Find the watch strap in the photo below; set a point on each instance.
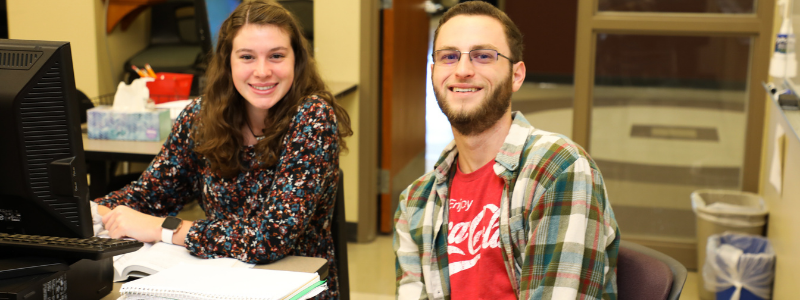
(166, 235)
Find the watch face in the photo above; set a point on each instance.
(171, 223)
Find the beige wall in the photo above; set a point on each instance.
(58, 20)
(81, 23)
(783, 202)
(336, 49)
(122, 45)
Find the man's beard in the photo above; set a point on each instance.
(481, 118)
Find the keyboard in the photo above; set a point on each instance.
(93, 248)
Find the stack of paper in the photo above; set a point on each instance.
(198, 282)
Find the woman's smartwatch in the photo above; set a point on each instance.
(169, 227)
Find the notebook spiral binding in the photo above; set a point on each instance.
(182, 295)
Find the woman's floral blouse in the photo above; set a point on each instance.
(263, 213)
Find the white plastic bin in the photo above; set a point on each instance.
(719, 211)
(739, 266)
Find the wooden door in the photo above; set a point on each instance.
(402, 142)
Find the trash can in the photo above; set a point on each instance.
(739, 266)
(719, 211)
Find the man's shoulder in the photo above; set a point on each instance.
(548, 148)
(526, 141)
(420, 189)
(553, 143)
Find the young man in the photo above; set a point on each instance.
(509, 211)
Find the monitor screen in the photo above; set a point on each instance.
(210, 14)
(43, 184)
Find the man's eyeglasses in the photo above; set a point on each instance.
(480, 56)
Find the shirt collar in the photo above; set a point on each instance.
(507, 158)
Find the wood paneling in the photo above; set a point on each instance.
(405, 43)
(549, 31)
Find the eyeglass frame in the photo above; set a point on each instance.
(461, 53)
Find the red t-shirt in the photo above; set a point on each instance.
(476, 264)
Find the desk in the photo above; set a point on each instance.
(100, 153)
(289, 263)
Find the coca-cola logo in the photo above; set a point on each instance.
(481, 232)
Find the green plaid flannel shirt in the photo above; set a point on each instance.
(557, 230)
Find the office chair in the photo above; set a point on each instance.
(339, 231)
(644, 273)
(174, 43)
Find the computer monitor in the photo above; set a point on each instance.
(3, 20)
(43, 184)
(211, 13)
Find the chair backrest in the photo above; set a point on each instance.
(644, 273)
(338, 230)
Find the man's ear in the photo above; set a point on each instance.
(519, 75)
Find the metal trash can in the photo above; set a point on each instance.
(719, 211)
(739, 266)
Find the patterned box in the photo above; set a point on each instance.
(107, 124)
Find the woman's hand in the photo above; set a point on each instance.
(103, 210)
(123, 221)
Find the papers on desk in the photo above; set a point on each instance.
(175, 107)
(197, 282)
(153, 258)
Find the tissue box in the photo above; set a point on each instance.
(105, 123)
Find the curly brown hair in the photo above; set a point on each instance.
(218, 136)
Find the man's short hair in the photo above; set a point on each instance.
(480, 8)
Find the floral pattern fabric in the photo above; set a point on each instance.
(260, 215)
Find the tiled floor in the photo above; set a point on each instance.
(372, 269)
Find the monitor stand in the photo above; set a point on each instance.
(33, 278)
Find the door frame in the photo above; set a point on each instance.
(757, 25)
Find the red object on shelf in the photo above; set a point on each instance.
(170, 87)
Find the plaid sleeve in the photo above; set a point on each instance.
(408, 267)
(571, 228)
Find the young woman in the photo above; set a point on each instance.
(259, 152)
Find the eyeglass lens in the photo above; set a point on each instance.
(481, 56)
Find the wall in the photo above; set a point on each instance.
(336, 43)
(342, 55)
(81, 23)
(782, 156)
(57, 20)
(122, 45)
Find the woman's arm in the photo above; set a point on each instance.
(164, 187)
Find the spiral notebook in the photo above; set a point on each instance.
(199, 282)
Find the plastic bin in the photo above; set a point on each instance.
(719, 211)
(170, 87)
(739, 266)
